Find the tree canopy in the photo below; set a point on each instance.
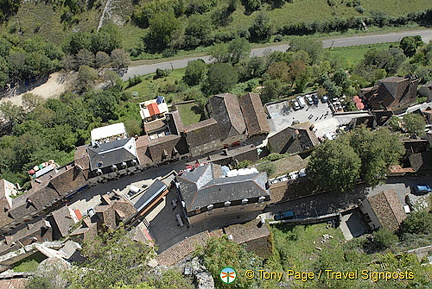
(360, 153)
(112, 259)
(221, 78)
(334, 166)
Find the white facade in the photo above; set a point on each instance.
(109, 131)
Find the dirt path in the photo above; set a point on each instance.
(56, 84)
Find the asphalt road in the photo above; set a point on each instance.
(426, 34)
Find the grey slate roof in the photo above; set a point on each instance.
(204, 186)
(150, 194)
(108, 154)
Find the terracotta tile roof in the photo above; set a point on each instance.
(143, 154)
(225, 108)
(393, 93)
(175, 122)
(254, 114)
(14, 283)
(243, 233)
(40, 230)
(153, 109)
(63, 220)
(202, 132)
(81, 157)
(154, 125)
(185, 247)
(33, 201)
(388, 209)
(166, 147)
(69, 181)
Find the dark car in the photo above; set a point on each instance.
(315, 98)
(284, 215)
(421, 189)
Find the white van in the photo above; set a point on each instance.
(301, 101)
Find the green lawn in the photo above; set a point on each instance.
(29, 264)
(150, 88)
(352, 55)
(189, 113)
(296, 247)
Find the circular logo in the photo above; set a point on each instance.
(228, 275)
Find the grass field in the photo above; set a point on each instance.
(150, 87)
(354, 54)
(296, 247)
(189, 113)
(29, 264)
(33, 14)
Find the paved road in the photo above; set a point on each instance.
(334, 42)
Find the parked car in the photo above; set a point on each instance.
(295, 104)
(324, 99)
(301, 101)
(309, 99)
(421, 189)
(315, 98)
(284, 215)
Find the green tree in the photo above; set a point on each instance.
(11, 113)
(104, 104)
(163, 31)
(279, 71)
(86, 77)
(409, 44)
(418, 223)
(112, 259)
(221, 78)
(313, 48)
(267, 167)
(113, 79)
(198, 30)
(195, 73)
(7, 8)
(334, 166)
(85, 57)
(341, 78)
(272, 89)
(261, 29)
(76, 42)
(221, 252)
(101, 59)
(414, 124)
(119, 59)
(253, 5)
(219, 52)
(383, 239)
(31, 101)
(106, 40)
(378, 149)
(238, 49)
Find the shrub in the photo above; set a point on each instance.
(278, 38)
(243, 164)
(274, 157)
(160, 73)
(268, 167)
(134, 81)
(383, 239)
(359, 9)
